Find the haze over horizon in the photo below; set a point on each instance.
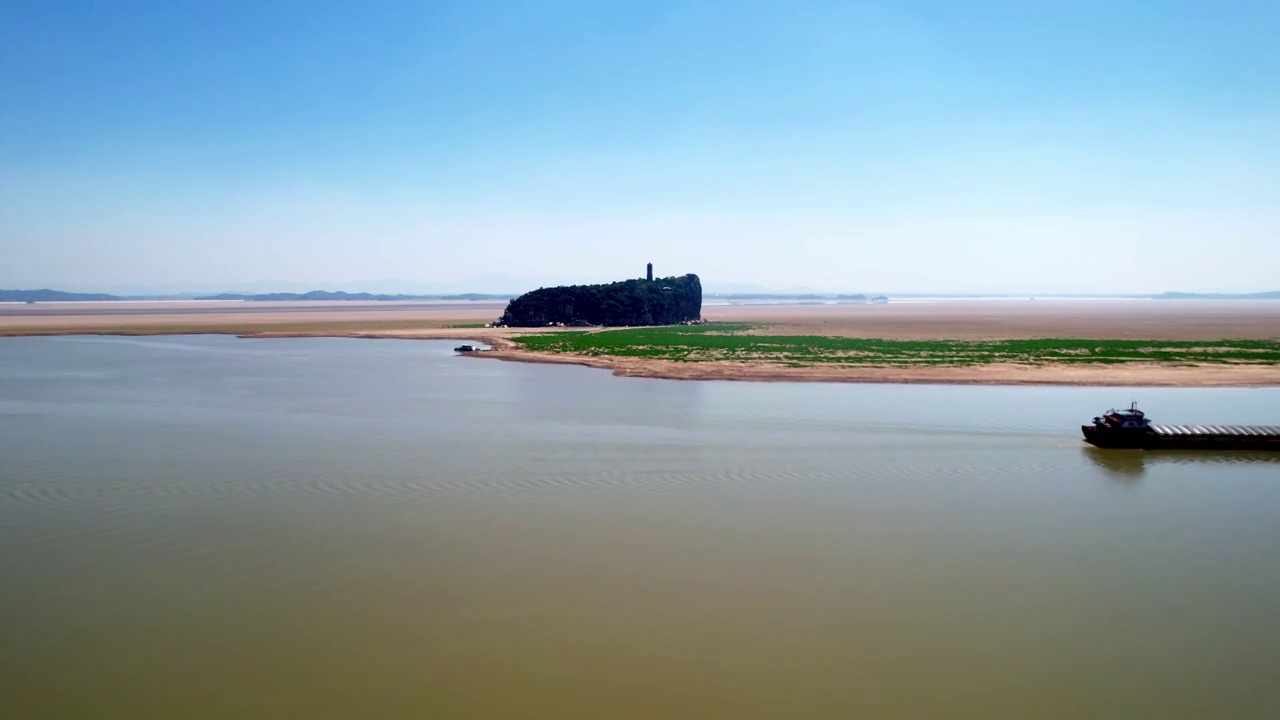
(493, 284)
(858, 147)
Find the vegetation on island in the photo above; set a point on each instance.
(737, 342)
(662, 301)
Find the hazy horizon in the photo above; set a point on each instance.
(499, 285)
(841, 147)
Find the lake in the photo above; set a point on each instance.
(213, 527)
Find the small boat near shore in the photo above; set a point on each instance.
(465, 348)
(1131, 429)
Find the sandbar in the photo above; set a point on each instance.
(964, 319)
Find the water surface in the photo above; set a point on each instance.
(334, 528)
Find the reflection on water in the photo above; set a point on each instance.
(211, 527)
(1124, 465)
(1133, 464)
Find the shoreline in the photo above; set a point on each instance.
(1007, 374)
(931, 322)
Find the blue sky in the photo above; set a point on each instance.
(905, 146)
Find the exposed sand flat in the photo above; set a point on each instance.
(1129, 374)
(239, 317)
(956, 319)
(924, 319)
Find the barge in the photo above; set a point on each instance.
(1131, 429)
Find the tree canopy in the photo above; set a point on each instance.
(662, 301)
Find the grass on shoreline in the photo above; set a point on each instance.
(727, 342)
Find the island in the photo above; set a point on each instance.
(1121, 342)
(628, 303)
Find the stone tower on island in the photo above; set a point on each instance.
(650, 275)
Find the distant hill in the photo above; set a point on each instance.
(339, 296)
(784, 297)
(661, 301)
(1274, 295)
(52, 296)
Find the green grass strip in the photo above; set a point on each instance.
(726, 341)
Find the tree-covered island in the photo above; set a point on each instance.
(660, 301)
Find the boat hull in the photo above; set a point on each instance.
(1141, 440)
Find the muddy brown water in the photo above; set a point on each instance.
(211, 527)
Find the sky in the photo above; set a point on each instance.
(906, 146)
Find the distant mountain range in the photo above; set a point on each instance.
(35, 296)
(52, 296)
(325, 295)
(799, 296)
(1274, 295)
